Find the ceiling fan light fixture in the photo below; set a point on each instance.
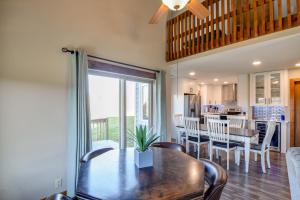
(175, 4)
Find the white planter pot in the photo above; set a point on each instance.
(143, 159)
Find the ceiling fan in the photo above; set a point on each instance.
(192, 5)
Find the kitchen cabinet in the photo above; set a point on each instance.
(269, 88)
(211, 94)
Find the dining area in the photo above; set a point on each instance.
(112, 174)
(176, 172)
(225, 133)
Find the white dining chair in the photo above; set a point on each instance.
(218, 131)
(264, 148)
(236, 121)
(193, 134)
(178, 121)
(210, 116)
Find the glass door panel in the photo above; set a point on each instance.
(260, 89)
(104, 109)
(137, 107)
(275, 88)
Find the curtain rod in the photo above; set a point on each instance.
(66, 50)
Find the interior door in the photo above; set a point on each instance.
(297, 114)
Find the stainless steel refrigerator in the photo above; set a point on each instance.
(192, 105)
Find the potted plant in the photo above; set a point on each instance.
(143, 156)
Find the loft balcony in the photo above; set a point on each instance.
(230, 21)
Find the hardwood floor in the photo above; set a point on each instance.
(273, 185)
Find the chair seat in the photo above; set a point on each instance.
(224, 145)
(195, 139)
(256, 147)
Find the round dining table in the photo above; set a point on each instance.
(114, 175)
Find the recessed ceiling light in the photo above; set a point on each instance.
(202, 83)
(297, 65)
(256, 62)
(225, 82)
(192, 73)
(216, 80)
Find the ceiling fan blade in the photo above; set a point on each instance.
(197, 9)
(159, 13)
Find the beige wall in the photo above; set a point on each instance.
(34, 77)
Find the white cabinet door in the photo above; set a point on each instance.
(260, 88)
(275, 91)
(270, 88)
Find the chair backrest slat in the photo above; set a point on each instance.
(207, 117)
(192, 126)
(218, 130)
(178, 119)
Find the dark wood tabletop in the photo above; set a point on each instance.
(244, 132)
(113, 175)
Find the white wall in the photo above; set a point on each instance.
(243, 89)
(34, 77)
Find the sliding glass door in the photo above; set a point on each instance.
(104, 109)
(138, 108)
(118, 105)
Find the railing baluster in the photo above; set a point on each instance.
(186, 34)
(177, 37)
(172, 39)
(207, 28)
(202, 35)
(255, 23)
(228, 23)
(298, 12)
(271, 16)
(181, 35)
(241, 35)
(198, 35)
(279, 14)
(223, 22)
(193, 37)
(212, 29)
(217, 23)
(263, 16)
(234, 20)
(168, 42)
(190, 34)
(248, 20)
(289, 19)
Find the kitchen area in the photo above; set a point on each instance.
(259, 97)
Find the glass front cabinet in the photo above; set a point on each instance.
(268, 88)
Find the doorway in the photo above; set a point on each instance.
(295, 112)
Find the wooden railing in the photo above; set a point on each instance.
(99, 128)
(230, 21)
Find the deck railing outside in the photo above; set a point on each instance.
(230, 21)
(99, 128)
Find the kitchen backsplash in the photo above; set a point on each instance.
(268, 112)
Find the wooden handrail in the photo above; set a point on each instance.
(230, 21)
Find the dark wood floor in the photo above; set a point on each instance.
(273, 185)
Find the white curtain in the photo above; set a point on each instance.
(161, 119)
(79, 138)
